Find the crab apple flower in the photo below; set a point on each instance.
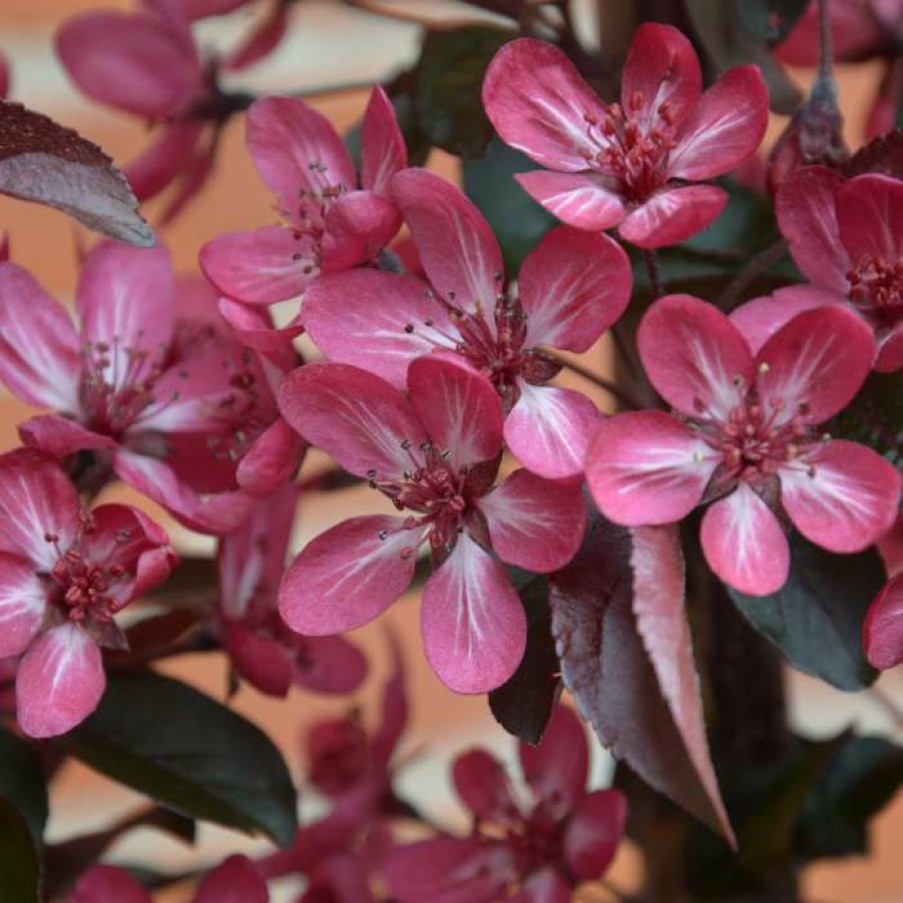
(251, 561)
(149, 385)
(4, 76)
(534, 854)
(64, 573)
(846, 236)
(860, 29)
(571, 288)
(882, 632)
(627, 164)
(147, 64)
(236, 880)
(745, 436)
(330, 223)
(435, 456)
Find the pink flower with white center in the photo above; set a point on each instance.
(882, 632)
(64, 573)
(627, 164)
(330, 223)
(435, 456)
(236, 880)
(148, 64)
(534, 854)
(264, 651)
(571, 288)
(847, 238)
(175, 406)
(745, 436)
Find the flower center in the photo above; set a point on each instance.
(876, 288)
(308, 220)
(630, 150)
(117, 384)
(83, 587)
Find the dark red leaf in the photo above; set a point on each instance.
(41, 160)
(624, 645)
(884, 155)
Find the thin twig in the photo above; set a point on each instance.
(612, 388)
(826, 48)
(655, 272)
(757, 266)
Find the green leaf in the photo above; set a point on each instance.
(816, 618)
(188, 752)
(20, 871)
(447, 85)
(22, 782)
(859, 781)
(524, 703)
(516, 219)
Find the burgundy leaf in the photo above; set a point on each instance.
(41, 160)
(884, 155)
(624, 645)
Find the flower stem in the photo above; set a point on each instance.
(757, 266)
(621, 394)
(655, 273)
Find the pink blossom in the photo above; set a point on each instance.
(64, 573)
(236, 880)
(745, 437)
(529, 855)
(882, 632)
(571, 288)
(330, 223)
(435, 457)
(148, 64)
(860, 29)
(847, 238)
(264, 651)
(627, 164)
(173, 405)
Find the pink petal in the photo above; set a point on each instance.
(126, 300)
(812, 367)
(882, 633)
(383, 151)
(449, 870)
(328, 664)
(161, 163)
(134, 62)
(36, 499)
(456, 246)
(459, 409)
(843, 497)
(544, 886)
(262, 41)
(539, 104)
(661, 68)
(556, 770)
(39, 349)
(594, 833)
(261, 660)
(805, 209)
(870, 218)
(356, 417)
(23, 601)
(257, 332)
(648, 468)
(348, 575)
(358, 225)
(218, 513)
(724, 129)
(573, 286)
(577, 199)
(60, 436)
(855, 33)
(376, 320)
(59, 682)
(758, 320)
(744, 543)
(296, 148)
(482, 784)
(261, 267)
(549, 430)
(271, 461)
(108, 884)
(474, 627)
(235, 881)
(535, 523)
(695, 357)
(673, 216)
(890, 351)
